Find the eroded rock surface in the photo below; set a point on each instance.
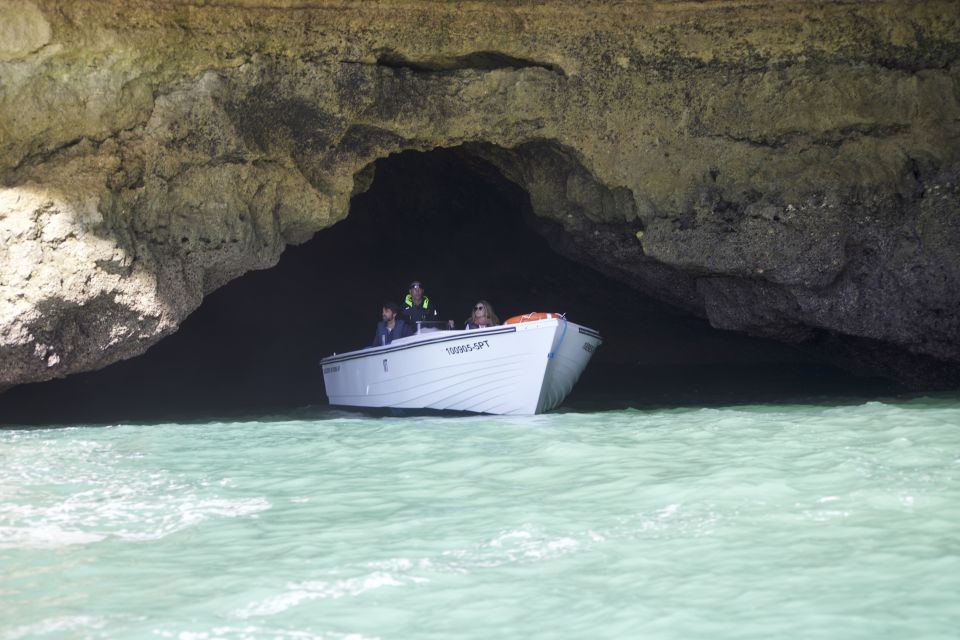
(789, 169)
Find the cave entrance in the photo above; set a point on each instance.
(453, 221)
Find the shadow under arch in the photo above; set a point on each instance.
(449, 218)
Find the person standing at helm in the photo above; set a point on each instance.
(417, 306)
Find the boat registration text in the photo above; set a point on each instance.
(466, 348)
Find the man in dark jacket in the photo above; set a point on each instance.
(392, 326)
(416, 306)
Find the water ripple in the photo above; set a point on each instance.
(742, 522)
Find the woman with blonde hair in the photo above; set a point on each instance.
(483, 316)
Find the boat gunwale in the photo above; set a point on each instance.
(390, 348)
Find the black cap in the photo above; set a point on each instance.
(415, 283)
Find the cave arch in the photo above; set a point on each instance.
(459, 220)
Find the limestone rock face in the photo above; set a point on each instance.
(785, 168)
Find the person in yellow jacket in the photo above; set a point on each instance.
(417, 306)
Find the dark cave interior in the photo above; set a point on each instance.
(458, 225)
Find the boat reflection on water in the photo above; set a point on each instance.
(523, 367)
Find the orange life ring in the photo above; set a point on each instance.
(530, 317)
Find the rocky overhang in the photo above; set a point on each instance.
(786, 168)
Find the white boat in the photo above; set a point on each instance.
(525, 367)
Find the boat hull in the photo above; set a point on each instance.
(520, 369)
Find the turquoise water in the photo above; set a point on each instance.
(796, 521)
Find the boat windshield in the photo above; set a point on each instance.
(426, 326)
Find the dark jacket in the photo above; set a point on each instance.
(414, 314)
(386, 336)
